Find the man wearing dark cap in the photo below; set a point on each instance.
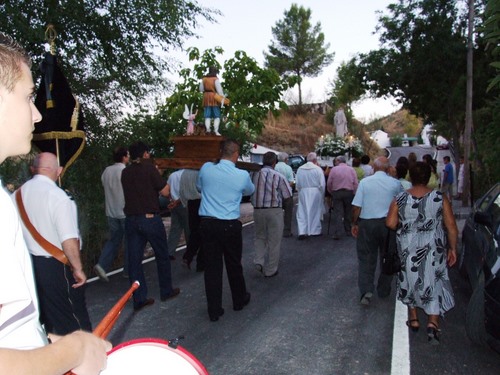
(142, 184)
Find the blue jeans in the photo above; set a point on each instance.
(141, 230)
(110, 249)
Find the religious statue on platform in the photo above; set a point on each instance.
(213, 99)
(340, 122)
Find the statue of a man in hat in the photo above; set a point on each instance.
(209, 86)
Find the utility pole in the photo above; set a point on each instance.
(468, 108)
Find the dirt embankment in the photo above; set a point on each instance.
(298, 133)
(294, 133)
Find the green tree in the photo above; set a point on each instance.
(253, 91)
(114, 55)
(486, 131)
(422, 61)
(348, 87)
(298, 49)
(491, 29)
(113, 52)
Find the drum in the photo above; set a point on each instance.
(152, 356)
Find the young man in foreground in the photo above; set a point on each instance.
(23, 343)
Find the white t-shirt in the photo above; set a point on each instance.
(51, 211)
(19, 324)
(174, 181)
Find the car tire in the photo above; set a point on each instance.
(462, 269)
(474, 319)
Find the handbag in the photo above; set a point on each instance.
(391, 263)
(221, 99)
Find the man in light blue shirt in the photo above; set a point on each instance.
(222, 185)
(369, 209)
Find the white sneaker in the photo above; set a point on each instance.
(101, 273)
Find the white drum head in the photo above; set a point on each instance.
(152, 356)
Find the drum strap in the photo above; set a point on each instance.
(46, 245)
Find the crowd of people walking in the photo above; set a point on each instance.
(40, 251)
(365, 201)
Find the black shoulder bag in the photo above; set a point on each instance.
(391, 264)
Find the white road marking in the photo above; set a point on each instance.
(400, 341)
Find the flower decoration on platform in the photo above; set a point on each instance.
(356, 148)
(329, 145)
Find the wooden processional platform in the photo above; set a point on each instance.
(192, 151)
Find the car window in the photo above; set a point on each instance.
(494, 211)
(488, 198)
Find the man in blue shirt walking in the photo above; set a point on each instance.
(369, 210)
(222, 186)
(446, 187)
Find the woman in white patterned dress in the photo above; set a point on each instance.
(427, 238)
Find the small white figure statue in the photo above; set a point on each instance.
(189, 116)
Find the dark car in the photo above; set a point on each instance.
(295, 161)
(480, 262)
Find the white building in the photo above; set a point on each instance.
(257, 153)
(381, 138)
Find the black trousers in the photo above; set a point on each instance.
(62, 308)
(222, 241)
(194, 242)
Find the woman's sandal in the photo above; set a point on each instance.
(412, 326)
(433, 333)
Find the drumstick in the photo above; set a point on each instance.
(109, 320)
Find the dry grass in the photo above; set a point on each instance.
(294, 133)
(298, 133)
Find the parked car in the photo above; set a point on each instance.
(295, 161)
(443, 146)
(480, 262)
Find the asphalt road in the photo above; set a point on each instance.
(306, 320)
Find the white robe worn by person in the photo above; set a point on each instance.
(311, 188)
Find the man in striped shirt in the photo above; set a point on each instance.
(271, 188)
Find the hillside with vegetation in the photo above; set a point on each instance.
(297, 132)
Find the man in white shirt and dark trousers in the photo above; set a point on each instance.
(60, 287)
(114, 203)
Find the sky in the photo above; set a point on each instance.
(348, 26)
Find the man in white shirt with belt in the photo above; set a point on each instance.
(60, 287)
